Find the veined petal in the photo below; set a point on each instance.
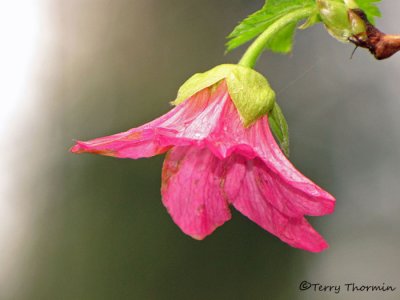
(191, 190)
(250, 187)
(156, 137)
(304, 194)
(294, 194)
(189, 123)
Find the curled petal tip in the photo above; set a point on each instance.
(331, 206)
(81, 147)
(322, 246)
(328, 204)
(77, 148)
(198, 237)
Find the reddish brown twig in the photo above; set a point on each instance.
(381, 45)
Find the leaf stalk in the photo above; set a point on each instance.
(250, 57)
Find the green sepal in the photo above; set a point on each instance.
(369, 7)
(251, 93)
(248, 89)
(339, 19)
(352, 4)
(279, 128)
(334, 15)
(200, 81)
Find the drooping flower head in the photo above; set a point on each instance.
(221, 152)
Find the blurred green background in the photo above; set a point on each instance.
(90, 227)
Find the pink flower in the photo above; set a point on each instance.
(213, 161)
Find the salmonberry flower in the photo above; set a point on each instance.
(221, 152)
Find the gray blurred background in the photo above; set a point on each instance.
(90, 227)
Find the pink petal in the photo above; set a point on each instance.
(178, 127)
(255, 192)
(314, 200)
(191, 190)
(293, 193)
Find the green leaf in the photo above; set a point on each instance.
(248, 89)
(311, 21)
(282, 42)
(259, 21)
(370, 8)
(279, 128)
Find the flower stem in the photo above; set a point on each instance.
(250, 57)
